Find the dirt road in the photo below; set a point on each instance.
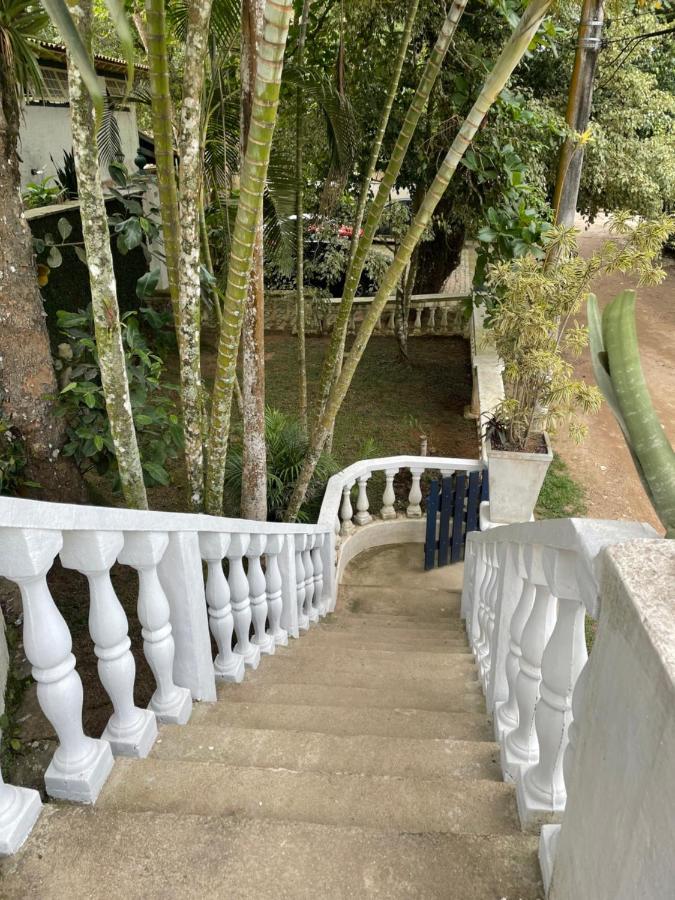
(602, 464)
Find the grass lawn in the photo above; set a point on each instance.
(561, 496)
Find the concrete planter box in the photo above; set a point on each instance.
(515, 481)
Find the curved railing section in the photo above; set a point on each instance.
(528, 592)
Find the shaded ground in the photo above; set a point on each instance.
(602, 464)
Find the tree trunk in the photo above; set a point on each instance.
(252, 185)
(254, 454)
(335, 353)
(189, 288)
(27, 378)
(509, 58)
(404, 292)
(101, 276)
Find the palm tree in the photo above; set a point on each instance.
(27, 378)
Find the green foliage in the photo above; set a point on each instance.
(560, 496)
(66, 176)
(286, 449)
(532, 316)
(42, 193)
(82, 403)
(17, 684)
(20, 22)
(12, 460)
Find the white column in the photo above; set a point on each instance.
(329, 558)
(417, 327)
(289, 587)
(241, 603)
(228, 665)
(389, 497)
(142, 551)
(320, 602)
(488, 650)
(300, 543)
(520, 750)
(258, 593)
(444, 319)
(131, 731)
(431, 325)
(308, 564)
(346, 511)
(414, 510)
(19, 811)
(273, 586)
(541, 792)
(362, 516)
(506, 713)
(81, 764)
(473, 622)
(486, 588)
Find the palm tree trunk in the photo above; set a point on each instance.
(299, 224)
(335, 353)
(27, 378)
(102, 277)
(509, 58)
(252, 184)
(254, 452)
(188, 323)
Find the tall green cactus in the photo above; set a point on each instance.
(616, 364)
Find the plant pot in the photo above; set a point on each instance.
(515, 481)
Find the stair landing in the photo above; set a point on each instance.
(357, 762)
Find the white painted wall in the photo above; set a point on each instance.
(45, 132)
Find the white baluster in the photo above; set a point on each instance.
(142, 551)
(485, 663)
(351, 328)
(444, 319)
(389, 497)
(300, 543)
(274, 586)
(391, 323)
(362, 516)
(258, 593)
(130, 731)
(417, 327)
(320, 602)
(473, 621)
(578, 701)
(414, 510)
(431, 324)
(228, 665)
(486, 588)
(241, 603)
(81, 764)
(541, 791)
(506, 712)
(19, 811)
(311, 611)
(346, 511)
(520, 749)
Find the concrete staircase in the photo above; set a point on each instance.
(357, 762)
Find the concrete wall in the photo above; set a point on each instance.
(45, 132)
(617, 840)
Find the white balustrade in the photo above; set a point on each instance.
(81, 764)
(484, 592)
(300, 544)
(444, 319)
(228, 665)
(19, 811)
(417, 327)
(131, 731)
(346, 511)
(414, 510)
(389, 497)
(320, 601)
(310, 611)
(391, 322)
(431, 324)
(258, 594)
(273, 584)
(484, 656)
(362, 516)
(241, 602)
(142, 551)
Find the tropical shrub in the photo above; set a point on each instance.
(12, 459)
(286, 448)
(42, 193)
(82, 403)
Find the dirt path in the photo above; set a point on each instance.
(602, 464)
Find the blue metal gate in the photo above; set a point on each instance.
(457, 498)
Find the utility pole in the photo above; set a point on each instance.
(578, 113)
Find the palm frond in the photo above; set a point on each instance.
(20, 24)
(108, 136)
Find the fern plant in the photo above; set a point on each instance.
(534, 324)
(286, 448)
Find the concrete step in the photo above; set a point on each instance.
(92, 854)
(449, 626)
(317, 752)
(403, 601)
(384, 803)
(308, 651)
(301, 716)
(401, 565)
(459, 696)
(393, 643)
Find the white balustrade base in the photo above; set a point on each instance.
(536, 808)
(84, 784)
(177, 712)
(232, 671)
(21, 809)
(267, 645)
(501, 725)
(137, 740)
(314, 615)
(303, 622)
(512, 765)
(280, 637)
(251, 657)
(548, 845)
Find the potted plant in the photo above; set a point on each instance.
(533, 323)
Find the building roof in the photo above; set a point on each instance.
(48, 51)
